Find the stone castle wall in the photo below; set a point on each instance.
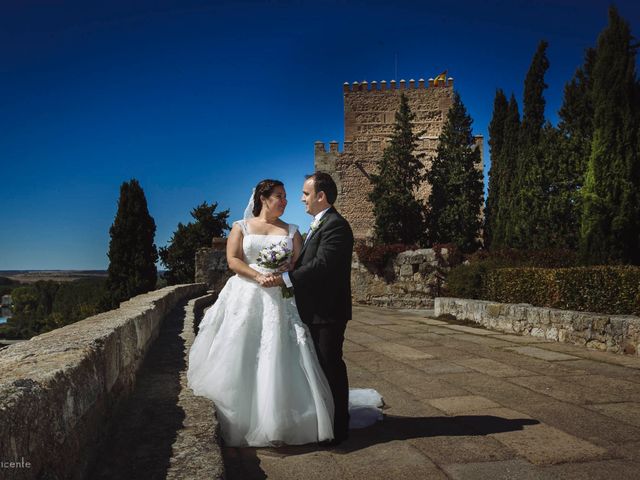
(369, 118)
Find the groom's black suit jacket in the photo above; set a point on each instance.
(321, 277)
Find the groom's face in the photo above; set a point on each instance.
(313, 202)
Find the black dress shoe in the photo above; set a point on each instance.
(333, 443)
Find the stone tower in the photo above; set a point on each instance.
(369, 117)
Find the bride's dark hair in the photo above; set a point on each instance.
(263, 189)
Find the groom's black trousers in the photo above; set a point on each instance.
(328, 340)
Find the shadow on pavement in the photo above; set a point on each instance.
(242, 464)
(403, 428)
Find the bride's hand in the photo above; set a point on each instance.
(262, 279)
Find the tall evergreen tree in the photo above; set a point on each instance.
(566, 150)
(179, 256)
(399, 214)
(456, 183)
(529, 222)
(496, 172)
(132, 253)
(576, 120)
(610, 223)
(504, 233)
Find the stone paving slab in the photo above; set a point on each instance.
(474, 330)
(493, 368)
(467, 404)
(501, 470)
(399, 352)
(544, 444)
(584, 423)
(486, 340)
(414, 382)
(628, 412)
(523, 339)
(542, 354)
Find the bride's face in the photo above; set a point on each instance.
(275, 203)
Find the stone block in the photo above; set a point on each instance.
(406, 270)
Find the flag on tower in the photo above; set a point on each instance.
(440, 78)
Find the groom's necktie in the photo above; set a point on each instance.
(309, 233)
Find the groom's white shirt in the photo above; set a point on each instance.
(316, 219)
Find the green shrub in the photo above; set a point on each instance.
(602, 289)
(466, 281)
(469, 280)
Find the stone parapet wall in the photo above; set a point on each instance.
(411, 280)
(59, 390)
(611, 333)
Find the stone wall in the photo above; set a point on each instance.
(59, 390)
(611, 333)
(211, 265)
(411, 280)
(369, 118)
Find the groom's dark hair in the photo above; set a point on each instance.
(322, 182)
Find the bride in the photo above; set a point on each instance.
(253, 356)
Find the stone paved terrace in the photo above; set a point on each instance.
(461, 403)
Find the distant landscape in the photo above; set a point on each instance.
(32, 276)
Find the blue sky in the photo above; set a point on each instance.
(199, 100)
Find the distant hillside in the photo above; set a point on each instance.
(31, 276)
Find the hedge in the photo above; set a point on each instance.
(602, 289)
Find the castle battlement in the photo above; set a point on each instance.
(320, 147)
(383, 86)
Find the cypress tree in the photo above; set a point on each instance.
(567, 151)
(503, 230)
(610, 223)
(496, 172)
(529, 223)
(132, 253)
(399, 214)
(576, 120)
(456, 183)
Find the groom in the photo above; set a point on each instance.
(321, 279)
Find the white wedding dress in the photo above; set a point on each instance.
(255, 359)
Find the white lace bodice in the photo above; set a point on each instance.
(253, 243)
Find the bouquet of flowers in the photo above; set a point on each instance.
(274, 257)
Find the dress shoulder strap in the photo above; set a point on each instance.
(292, 230)
(243, 226)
